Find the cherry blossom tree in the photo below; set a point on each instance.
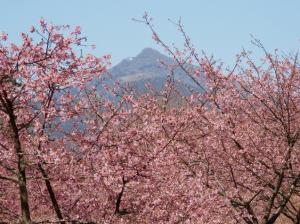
(36, 75)
(249, 122)
(226, 153)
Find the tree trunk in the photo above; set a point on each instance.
(51, 194)
(25, 211)
(22, 180)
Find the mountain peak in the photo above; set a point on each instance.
(149, 50)
(149, 53)
(146, 68)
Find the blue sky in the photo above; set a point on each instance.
(220, 27)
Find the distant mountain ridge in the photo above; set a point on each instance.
(145, 68)
(140, 67)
